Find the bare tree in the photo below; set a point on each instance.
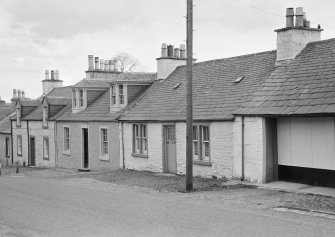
(127, 63)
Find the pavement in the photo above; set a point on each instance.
(35, 206)
(299, 188)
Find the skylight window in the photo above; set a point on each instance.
(176, 86)
(237, 80)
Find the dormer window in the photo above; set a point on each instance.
(121, 95)
(81, 98)
(18, 117)
(113, 95)
(45, 116)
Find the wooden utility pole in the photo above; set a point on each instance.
(189, 105)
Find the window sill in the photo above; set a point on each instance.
(203, 163)
(67, 153)
(104, 158)
(139, 155)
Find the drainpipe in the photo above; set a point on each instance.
(242, 173)
(11, 140)
(122, 140)
(55, 141)
(28, 143)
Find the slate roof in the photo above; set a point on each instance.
(5, 111)
(305, 86)
(60, 96)
(215, 95)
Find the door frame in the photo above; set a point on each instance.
(82, 148)
(30, 151)
(164, 149)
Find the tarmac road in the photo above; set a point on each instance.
(31, 206)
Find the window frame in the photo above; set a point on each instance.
(46, 148)
(203, 138)
(113, 95)
(121, 95)
(74, 99)
(19, 145)
(45, 117)
(140, 140)
(18, 117)
(81, 98)
(104, 156)
(66, 140)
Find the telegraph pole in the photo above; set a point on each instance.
(189, 105)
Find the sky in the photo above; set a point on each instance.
(39, 35)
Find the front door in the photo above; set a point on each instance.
(85, 148)
(170, 161)
(32, 152)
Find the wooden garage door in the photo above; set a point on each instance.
(306, 142)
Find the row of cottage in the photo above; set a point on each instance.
(261, 117)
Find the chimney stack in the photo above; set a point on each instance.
(90, 62)
(289, 17)
(14, 93)
(96, 59)
(164, 50)
(293, 38)
(47, 77)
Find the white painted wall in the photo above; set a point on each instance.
(165, 66)
(306, 142)
(254, 149)
(220, 150)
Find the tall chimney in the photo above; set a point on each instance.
(299, 17)
(289, 17)
(96, 59)
(47, 77)
(52, 75)
(182, 51)
(102, 64)
(19, 93)
(164, 50)
(90, 62)
(111, 65)
(14, 93)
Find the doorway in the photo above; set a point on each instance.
(85, 148)
(32, 160)
(170, 161)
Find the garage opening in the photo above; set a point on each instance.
(306, 150)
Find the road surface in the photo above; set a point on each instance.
(31, 206)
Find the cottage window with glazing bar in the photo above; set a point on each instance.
(66, 139)
(140, 139)
(201, 143)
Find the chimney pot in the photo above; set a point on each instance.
(177, 52)
(170, 50)
(102, 64)
(52, 75)
(23, 94)
(90, 62)
(111, 65)
(14, 93)
(57, 74)
(106, 65)
(47, 77)
(96, 60)
(299, 17)
(19, 93)
(289, 17)
(164, 50)
(116, 65)
(182, 51)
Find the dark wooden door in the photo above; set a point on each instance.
(32, 152)
(85, 148)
